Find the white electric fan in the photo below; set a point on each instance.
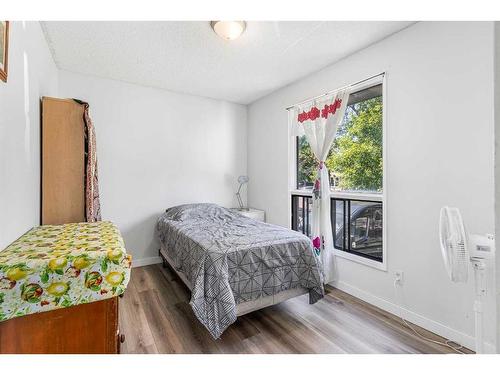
(458, 250)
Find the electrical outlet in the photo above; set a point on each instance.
(398, 277)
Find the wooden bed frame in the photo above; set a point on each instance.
(245, 307)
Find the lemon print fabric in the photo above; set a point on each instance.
(81, 262)
(17, 272)
(31, 293)
(114, 255)
(115, 278)
(56, 266)
(93, 280)
(58, 289)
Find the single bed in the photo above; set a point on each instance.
(233, 264)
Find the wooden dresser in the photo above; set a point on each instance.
(90, 328)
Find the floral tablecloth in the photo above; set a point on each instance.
(54, 266)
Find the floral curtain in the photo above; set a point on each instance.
(319, 121)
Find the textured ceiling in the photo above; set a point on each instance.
(189, 57)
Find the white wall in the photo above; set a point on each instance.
(31, 74)
(440, 152)
(157, 149)
(497, 173)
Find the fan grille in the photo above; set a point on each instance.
(454, 244)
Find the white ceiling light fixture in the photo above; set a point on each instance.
(228, 30)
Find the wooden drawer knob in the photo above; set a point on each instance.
(122, 338)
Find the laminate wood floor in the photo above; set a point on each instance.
(155, 317)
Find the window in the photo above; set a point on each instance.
(359, 233)
(355, 158)
(301, 213)
(355, 166)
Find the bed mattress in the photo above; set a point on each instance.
(230, 259)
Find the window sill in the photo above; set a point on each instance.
(382, 266)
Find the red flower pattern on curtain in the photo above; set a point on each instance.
(314, 112)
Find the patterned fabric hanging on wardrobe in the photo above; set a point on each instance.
(92, 203)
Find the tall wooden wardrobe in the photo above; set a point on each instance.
(62, 161)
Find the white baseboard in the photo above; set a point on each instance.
(145, 261)
(422, 321)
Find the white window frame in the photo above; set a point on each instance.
(380, 197)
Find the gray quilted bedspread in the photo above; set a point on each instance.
(229, 259)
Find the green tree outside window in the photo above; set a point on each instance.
(355, 158)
